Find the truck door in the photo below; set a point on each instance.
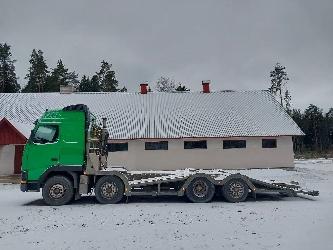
(43, 148)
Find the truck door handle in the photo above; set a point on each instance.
(54, 159)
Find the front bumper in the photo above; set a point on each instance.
(30, 186)
(26, 185)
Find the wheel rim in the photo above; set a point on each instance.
(200, 189)
(109, 190)
(236, 190)
(57, 191)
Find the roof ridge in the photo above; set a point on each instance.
(149, 93)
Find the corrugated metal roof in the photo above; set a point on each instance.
(165, 115)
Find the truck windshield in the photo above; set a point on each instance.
(46, 134)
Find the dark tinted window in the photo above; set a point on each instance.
(156, 145)
(195, 144)
(234, 144)
(46, 134)
(114, 147)
(269, 143)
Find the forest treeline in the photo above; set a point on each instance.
(40, 78)
(318, 128)
(314, 122)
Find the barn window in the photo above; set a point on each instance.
(46, 134)
(156, 145)
(234, 144)
(269, 143)
(195, 144)
(115, 147)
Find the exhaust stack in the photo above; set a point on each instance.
(104, 122)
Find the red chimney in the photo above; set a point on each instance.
(205, 86)
(143, 88)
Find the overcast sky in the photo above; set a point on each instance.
(233, 43)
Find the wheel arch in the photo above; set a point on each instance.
(120, 175)
(238, 176)
(72, 172)
(181, 191)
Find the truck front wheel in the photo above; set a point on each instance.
(58, 190)
(109, 190)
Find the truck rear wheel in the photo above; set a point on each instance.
(58, 190)
(235, 190)
(200, 190)
(109, 190)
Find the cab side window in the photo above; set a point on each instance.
(46, 134)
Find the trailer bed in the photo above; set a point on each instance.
(258, 180)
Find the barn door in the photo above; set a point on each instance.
(18, 158)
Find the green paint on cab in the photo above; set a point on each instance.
(58, 139)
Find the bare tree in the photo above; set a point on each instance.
(165, 84)
(279, 78)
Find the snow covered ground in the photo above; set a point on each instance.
(270, 222)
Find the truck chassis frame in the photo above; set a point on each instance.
(175, 183)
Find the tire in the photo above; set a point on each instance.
(58, 190)
(109, 190)
(200, 190)
(235, 190)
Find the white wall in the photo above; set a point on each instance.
(253, 156)
(7, 154)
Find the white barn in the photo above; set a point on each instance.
(224, 129)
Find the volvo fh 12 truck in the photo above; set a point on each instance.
(66, 156)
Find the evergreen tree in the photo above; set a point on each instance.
(72, 79)
(329, 127)
(279, 78)
(107, 78)
(318, 129)
(287, 101)
(61, 76)
(60, 73)
(37, 74)
(181, 88)
(85, 84)
(94, 84)
(297, 115)
(164, 84)
(57, 77)
(313, 127)
(329, 114)
(123, 89)
(8, 78)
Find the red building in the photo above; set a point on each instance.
(12, 142)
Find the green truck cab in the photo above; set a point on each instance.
(57, 140)
(56, 152)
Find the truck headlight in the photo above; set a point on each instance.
(24, 175)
